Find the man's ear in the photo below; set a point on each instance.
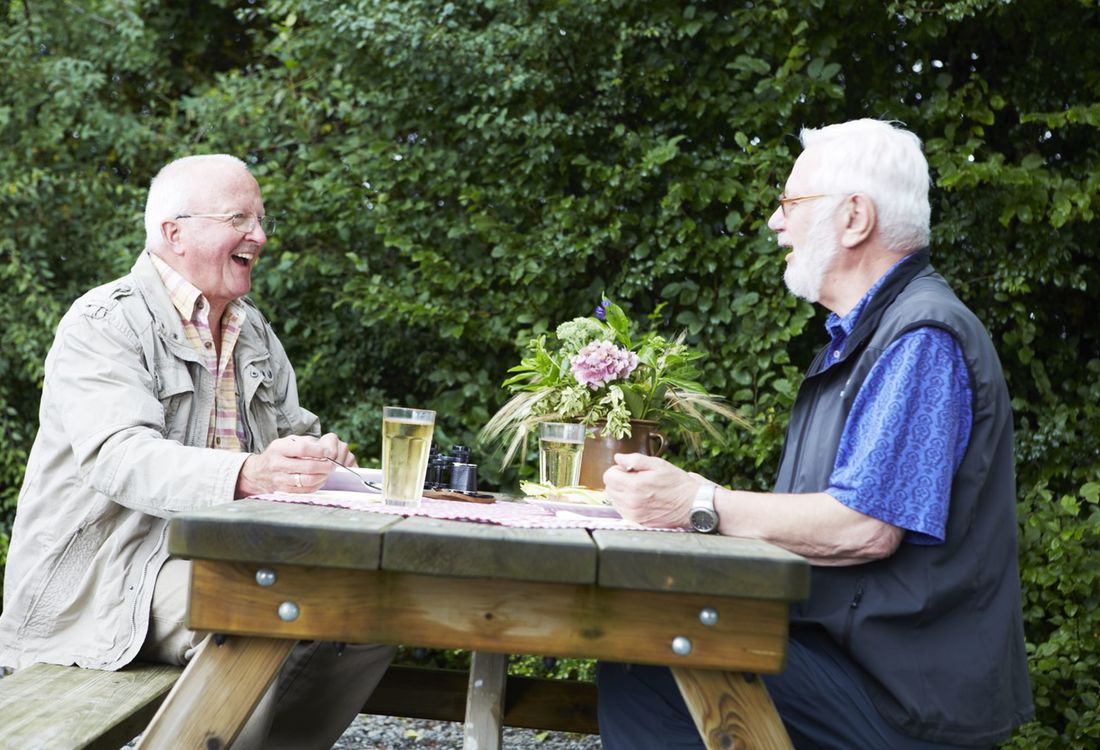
(859, 220)
(170, 231)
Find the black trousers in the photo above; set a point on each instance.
(820, 697)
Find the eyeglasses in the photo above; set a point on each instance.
(784, 201)
(243, 223)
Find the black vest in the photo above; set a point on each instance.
(937, 629)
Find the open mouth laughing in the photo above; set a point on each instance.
(245, 257)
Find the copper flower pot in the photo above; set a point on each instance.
(600, 449)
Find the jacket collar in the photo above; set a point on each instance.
(166, 319)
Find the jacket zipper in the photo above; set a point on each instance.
(141, 584)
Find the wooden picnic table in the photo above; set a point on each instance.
(269, 573)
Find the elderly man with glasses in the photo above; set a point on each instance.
(896, 481)
(167, 390)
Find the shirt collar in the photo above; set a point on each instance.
(186, 297)
(841, 327)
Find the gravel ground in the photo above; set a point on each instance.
(389, 733)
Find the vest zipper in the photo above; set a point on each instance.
(852, 607)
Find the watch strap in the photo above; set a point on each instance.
(703, 509)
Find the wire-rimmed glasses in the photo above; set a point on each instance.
(242, 222)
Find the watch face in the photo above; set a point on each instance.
(704, 520)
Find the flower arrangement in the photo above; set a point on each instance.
(601, 370)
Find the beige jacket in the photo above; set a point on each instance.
(120, 448)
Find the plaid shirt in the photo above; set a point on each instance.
(226, 430)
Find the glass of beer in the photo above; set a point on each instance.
(406, 440)
(560, 447)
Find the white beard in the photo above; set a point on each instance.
(806, 269)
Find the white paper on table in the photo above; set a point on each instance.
(348, 480)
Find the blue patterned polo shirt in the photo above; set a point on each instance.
(907, 431)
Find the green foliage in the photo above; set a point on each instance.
(453, 179)
(1061, 577)
(518, 664)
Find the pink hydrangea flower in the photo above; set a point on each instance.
(601, 362)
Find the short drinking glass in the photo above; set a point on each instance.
(406, 440)
(560, 447)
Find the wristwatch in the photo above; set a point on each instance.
(704, 518)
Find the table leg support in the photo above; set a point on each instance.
(206, 712)
(731, 711)
(485, 701)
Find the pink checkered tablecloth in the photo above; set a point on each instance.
(527, 514)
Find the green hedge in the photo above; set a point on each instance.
(451, 178)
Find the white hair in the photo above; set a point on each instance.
(885, 163)
(171, 191)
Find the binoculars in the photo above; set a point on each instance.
(451, 471)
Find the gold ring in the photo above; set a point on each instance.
(297, 480)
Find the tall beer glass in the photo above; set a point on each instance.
(561, 445)
(406, 440)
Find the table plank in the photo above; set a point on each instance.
(473, 550)
(524, 617)
(262, 531)
(700, 563)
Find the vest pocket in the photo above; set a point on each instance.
(857, 597)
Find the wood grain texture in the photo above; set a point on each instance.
(700, 563)
(48, 706)
(436, 547)
(731, 712)
(485, 701)
(264, 531)
(530, 702)
(478, 614)
(193, 717)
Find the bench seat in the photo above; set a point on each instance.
(45, 706)
(48, 707)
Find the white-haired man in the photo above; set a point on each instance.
(166, 390)
(896, 481)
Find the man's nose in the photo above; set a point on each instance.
(257, 234)
(776, 220)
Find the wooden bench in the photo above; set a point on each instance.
(47, 706)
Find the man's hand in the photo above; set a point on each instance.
(293, 464)
(651, 491)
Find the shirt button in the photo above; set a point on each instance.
(836, 354)
(217, 441)
(208, 344)
(198, 304)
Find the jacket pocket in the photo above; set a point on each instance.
(61, 584)
(257, 388)
(176, 392)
